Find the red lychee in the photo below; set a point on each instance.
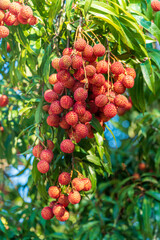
(77, 62)
(98, 90)
(98, 79)
(117, 68)
(128, 81)
(43, 166)
(110, 110)
(79, 108)
(63, 200)
(80, 44)
(53, 78)
(51, 205)
(102, 67)
(53, 120)
(90, 70)
(72, 118)
(58, 210)
(121, 111)
(54, 192)
(50, 96)
(87, 117)
(21, 19)
(142, 166)
(2, 14)
(64, 178)
(63, 76)
(80, 94)
(81, 130)
(101, 100)
(67, 146)
(88, 51)
(99, 50)
(63, 124)
(119, 77)
(74, 197)
(50, 144)
(8, 47)
(64, 217)
(92, 107)
(70, 83)
(65, 62)
(78, 184)
(58, 88)
(79, 74)
(3, 101)
(90, 132)
(111, 96)
(47, 213)
(73, 136)
(4, 4)
(66, 102)
(55, 107)
(119, 87)
(4, 32)
(55, 64)
(77, 85)
(67, 51)
(15, 8)
(131, 71)
(87, 184)
(47, 155)
(37, 150)
(155, 5)
(128, 106)
(32, 21)
(120, 100)
(136, 176)
(91, 59)
(26, 12)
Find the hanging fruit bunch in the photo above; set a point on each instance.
(90, 81)
(13, 14)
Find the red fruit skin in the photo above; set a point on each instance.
(53, 78)
(102, 67)
(63, 76)
(92, 107)
(120, 101)
(98, 80)
(32, 21)
(79, 74)
(87, 117)
(47, 213)
(67, 146)
(99, 50)
(155, 5)
(74, 197)
(47, 155)
(3, 101)
(56, 108)
(77, 62)
(78, 184)
(119, 77)
(4, 4)
(101, 100)
(4, 32)
(142, 166)
(98, 90)
(80, 94)
(63, 124)
(67, 51)
(70, 83)
(64, 218)
(121, 111)
(77, 85)
(131, 72)
(9, 19)
(110, 110)
(43, 166)
(91, 59)
(87, 184)
(117, 68)
(80, 44)
(2, 14)
(119, 87)
(73, 136)
(65, 62)
(15, 8)
(136, 176)
(53, 120)
(58, 88)
(88, 52)
(37, 150)
(66, 102)
(90, 70)
(64, 178)
(51, 205)
(21, 19)
(54, 192)
(58, 210)
(71, 118)
(50, 96)
(81, 130)
(128, 106)
(8, 47)
(90, 132)
(79, 108)
(50, 144)
(63, 200)
(128, 81)
(55, 63)
(26, 12)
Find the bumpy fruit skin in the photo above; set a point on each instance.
(66, 102)
(15, 8)
(63, 200)
(90, 70)
(47, 213)
(3, 100)
(77, 62)
(119, 77)
(53, 78)
(128, 81)
(55, 64)
(80, 44)
(79, 74)
(120, 100)
(92, 107)
(53, 120)
(87, 184)
(26, 12)
(67, 146)
(43, 166)
(80, 94)
(64, 178)
(101, 100)
(88, 51)
(58, 88)
(121, 111)
(78, 184)
(47, 155)
(98, 79)
(79, 108)
(81, 130)
(131, 72)
(51, 205)
(56, 108)
(77, 85)
(99, 50)
(37, 150)
(74, 197)
(155, 5)
(9, 19)
(63, 76)
(73, 136)
(58, 210)
(50, 144)
(21, 19)
(63, 124)
(4, 32)
(119, 87)
(4, 4)
(64, 218)
(87, 117)
(117, 68)
(50, 96)
(32, 21)
(65, 62)
(67, 51)
(72, 118)
(54, 192)
(2, 14)
(110, 110)
(102, 67)
(70, 83)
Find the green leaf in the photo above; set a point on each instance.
(35, 173)
(87, 6)
(38, 114)
(148, 75)
(96, 125)
(155, 195)
(2, 228)
(146, 211)
(42, 190)
(69, 8)
(54, 9)
(93, 159)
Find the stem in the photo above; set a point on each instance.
(108, 62)
(93, 34)
(89, 37)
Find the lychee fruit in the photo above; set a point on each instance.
(63, 200)
(142, 166)
(120, 100)
(43, 166)
(128, 106)
(54, 192)
(8, 47)
(136, 176)
(87, 184)
(53, 120)
(63, 124)
(66, 102)
(73, 136)
(90, 132)
(53, 78)
(37, 150)
(65, 62)
(4, 4)
(155, 5)
(77, 85)
(64, 218)
(51, 205)
(50, 96)
(58, 88)
(47, 155)
(55, 64)
(87, 117)
(78, 184)
(88, 51)
(110, 110)
(67, 51)
(74, 197)
(80, 94)
(128, 81)
(79, 108)
(92, 107)
(21, 19)
(3, 101)
(98, 79)
(99, 50)
(67, 146)
(56, 108)
(91, 59)
(63, 76)
(72, 118)
(80, 44)
(15, 8)
(90, 70)
(102, 67)
(119, 77)
(121, 111)
(81, 130)
(101, 100)
(4, 32)
(117, 68)
(98, 90)
(64, 178)
(50, 144)
(32, 21)
(77, 62)
(79, 74)
(47, 213)
(119, 87)
(70, 83)
(131, 71)
(58, 210)
(2, 14)
(26, 12)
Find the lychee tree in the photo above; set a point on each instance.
(38, 83)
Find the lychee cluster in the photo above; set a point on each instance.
(3, 101)
(67, 191)
(45, 156)
(85, 86)
(14, 13)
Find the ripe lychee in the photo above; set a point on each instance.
(87, 117)
(131, 71)
(101, 100)
(155, 5)
(53, 78)
(43, 166)
(50, 96)
(55, 64)
(91, 59)
(47, 213)
(77, 85)
(4, 32)
(3, 100)
(142, 166)
(128, 81)
(51, 205)
(37, 150)
(70, 83)
(2, 14)
(8, 47)
(90, 132)
(80, 94)
(110, 110)
(88, 51)
(50, 144)
(72, 118)
(67, 146)
(67, 51)
(15, 8)
(98, 90)
(32, 21)
(121, 111)
(77, 62)
(99, 50)
(63, 76)
(63, 200)
(53, 120)
(119, 77)
(65, 62)
(90, 70)
(120, 100)
(66, 102)
(63, 124)
(26, 12)
(58, 210)
(54, 192)
(81, 130)
(64, 218)
(78, 184)
(87, 184)
(102, 67)
(79, 108)
(92, 107)
(64, 178)
(98, 79)
(4, 4)
(80, 44)
(79, 74)
(136, 176)
(47, 155)
(55, 107)
(117, 68)
(21, 19)
(119, 87)
(74, 197)
(58, 88)
(73, 136)
(128, 106)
